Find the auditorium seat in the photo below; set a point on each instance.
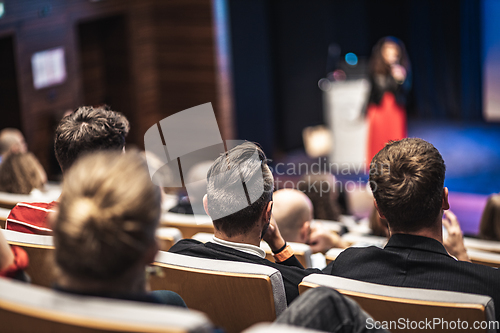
(332, 254)
(484, 258)
(364, 240)
(4, 213)
(277, 328)
(302, 251)
(482, 245)
(28, 308)
(40, 250)
(51, 192)
(234, 295)
(167, 237)
(331, 225)
(386, 303)
(189, 225)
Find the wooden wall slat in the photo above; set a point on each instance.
(166, 63)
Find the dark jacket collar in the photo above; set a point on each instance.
(416, 242)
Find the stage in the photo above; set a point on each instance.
(471, 152)
(472, 155)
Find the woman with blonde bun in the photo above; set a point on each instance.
(104, 230)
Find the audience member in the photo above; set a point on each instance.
(104, 229)
(242, 218)
(13, 261)
(407, 179)
(86, 130)
(489, 228)
(21, 173)
(11, 141)
(293, 212)
(324, 194)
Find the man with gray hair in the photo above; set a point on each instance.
(239, 200)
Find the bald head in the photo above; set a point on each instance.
(12, 140)
(293, 213)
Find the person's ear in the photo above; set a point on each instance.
(445, 205)
(305, 232)
(205, 204)
(378, 210)
(269, 211)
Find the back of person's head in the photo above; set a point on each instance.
(89, 129)
(20, 173)
(293, 212)
(12, 140)
(108, 214)
(240, 186)
(323, 192)
(407, 179)
(489, 227)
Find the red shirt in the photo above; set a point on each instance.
(31, 217)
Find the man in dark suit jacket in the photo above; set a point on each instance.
(239, 201)
(407, 179)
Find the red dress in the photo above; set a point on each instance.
(386, 122)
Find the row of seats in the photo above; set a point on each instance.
(231, 294)
(479, 251)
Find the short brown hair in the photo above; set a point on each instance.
(89, 129)
(407, 179)
(108, 213)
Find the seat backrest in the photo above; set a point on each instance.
(9, 200)
(277, 328)
(167, 237)
(302, 251)
(4, 213)
(51, 193)
(189, 225)
(28, 308)
(389, 304)
(482, 245)
(234, 295)
(364, 240)
(40, 250)
(484, 258)
(332, 254)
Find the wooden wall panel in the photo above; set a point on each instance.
(165, 63)
(188, 70)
